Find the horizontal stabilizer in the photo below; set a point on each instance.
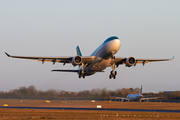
(65, 70)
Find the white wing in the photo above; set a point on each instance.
(151, 98)
(85, 60)
(120, 98)
(119, 61)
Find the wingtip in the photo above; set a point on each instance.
(7, 54)
(173, 57)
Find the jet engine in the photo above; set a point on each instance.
(130, 61)
(77, 60)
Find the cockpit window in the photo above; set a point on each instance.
(109, 39)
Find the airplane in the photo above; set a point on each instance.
(136, 97)
(99, 60)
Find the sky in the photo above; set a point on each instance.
(146, 29)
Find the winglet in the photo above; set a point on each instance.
(173, 57)
(7, 54)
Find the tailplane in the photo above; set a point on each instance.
(78, 51)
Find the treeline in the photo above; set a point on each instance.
(32, 93)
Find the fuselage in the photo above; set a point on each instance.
(103, 55)
(135, 97)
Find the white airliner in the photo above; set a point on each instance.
(99, 60)
(136, 97)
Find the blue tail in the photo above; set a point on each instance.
(78, 51)
(140, 90)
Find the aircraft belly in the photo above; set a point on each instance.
(99, 64)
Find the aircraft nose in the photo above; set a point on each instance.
(114, 46)
(117, 44)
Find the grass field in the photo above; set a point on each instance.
(36, 114)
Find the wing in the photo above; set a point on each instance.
(119, 61)
(120, 98)
(151, 98)
(86, 60)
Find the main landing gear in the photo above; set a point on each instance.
(113, 73)
(82, 73)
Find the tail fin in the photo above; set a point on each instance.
(140, 90)
(78, 51)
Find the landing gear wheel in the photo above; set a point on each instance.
(115, 72)
(110, 76)
(79, 76)
(83, 74)
(111, 73)
(112, 57)
(114, 76)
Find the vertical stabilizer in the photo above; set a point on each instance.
(78, 51)
(140, 90)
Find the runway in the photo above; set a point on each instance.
(98, 109)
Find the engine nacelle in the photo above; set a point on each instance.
(77, 60)
(130, 61)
